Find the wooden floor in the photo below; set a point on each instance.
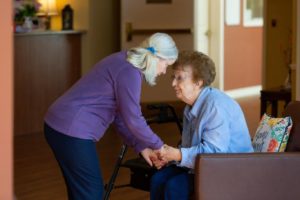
(37, 176)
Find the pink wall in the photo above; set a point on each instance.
(6, 89)
(242, 55)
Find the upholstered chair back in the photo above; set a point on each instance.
(293, 110)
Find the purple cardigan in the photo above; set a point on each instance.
(110, 92)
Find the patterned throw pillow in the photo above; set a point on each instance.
(272, 134)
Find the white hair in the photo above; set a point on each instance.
(146, 55)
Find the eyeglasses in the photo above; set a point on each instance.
(179, 79)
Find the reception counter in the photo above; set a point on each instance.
(45, 65)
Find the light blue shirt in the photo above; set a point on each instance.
(214, 124)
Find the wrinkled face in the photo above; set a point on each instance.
(186, 89)
(162, 65)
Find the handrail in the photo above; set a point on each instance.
(130, 31)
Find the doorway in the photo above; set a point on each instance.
(243, 44)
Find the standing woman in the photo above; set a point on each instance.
(109, 93)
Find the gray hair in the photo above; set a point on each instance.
(146, 55)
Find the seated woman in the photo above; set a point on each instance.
(212, 123)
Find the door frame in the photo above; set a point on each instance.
(6, 103)
(298, 54)
(209, 29)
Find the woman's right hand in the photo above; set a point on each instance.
(158, 160)
(147, 154)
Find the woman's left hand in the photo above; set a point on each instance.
(169, 153)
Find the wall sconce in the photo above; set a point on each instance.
(48, 8)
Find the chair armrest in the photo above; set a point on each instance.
(248, 176)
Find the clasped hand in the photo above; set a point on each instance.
(162, 156)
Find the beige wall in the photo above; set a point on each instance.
(6, 110)
(100, 20)
(104, 30)
(140, 14)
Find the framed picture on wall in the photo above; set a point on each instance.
(253, 13)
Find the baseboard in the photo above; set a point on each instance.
(244, 92)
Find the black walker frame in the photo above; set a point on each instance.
(141, 172)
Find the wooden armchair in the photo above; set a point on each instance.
(252, 176)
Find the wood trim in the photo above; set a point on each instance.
(130, 31)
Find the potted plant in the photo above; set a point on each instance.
(24, 13)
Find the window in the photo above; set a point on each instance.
(232, 13)
(253, 13)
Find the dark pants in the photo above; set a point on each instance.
(171, 183)
(79, 164)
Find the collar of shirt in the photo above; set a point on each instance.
(191, 112)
